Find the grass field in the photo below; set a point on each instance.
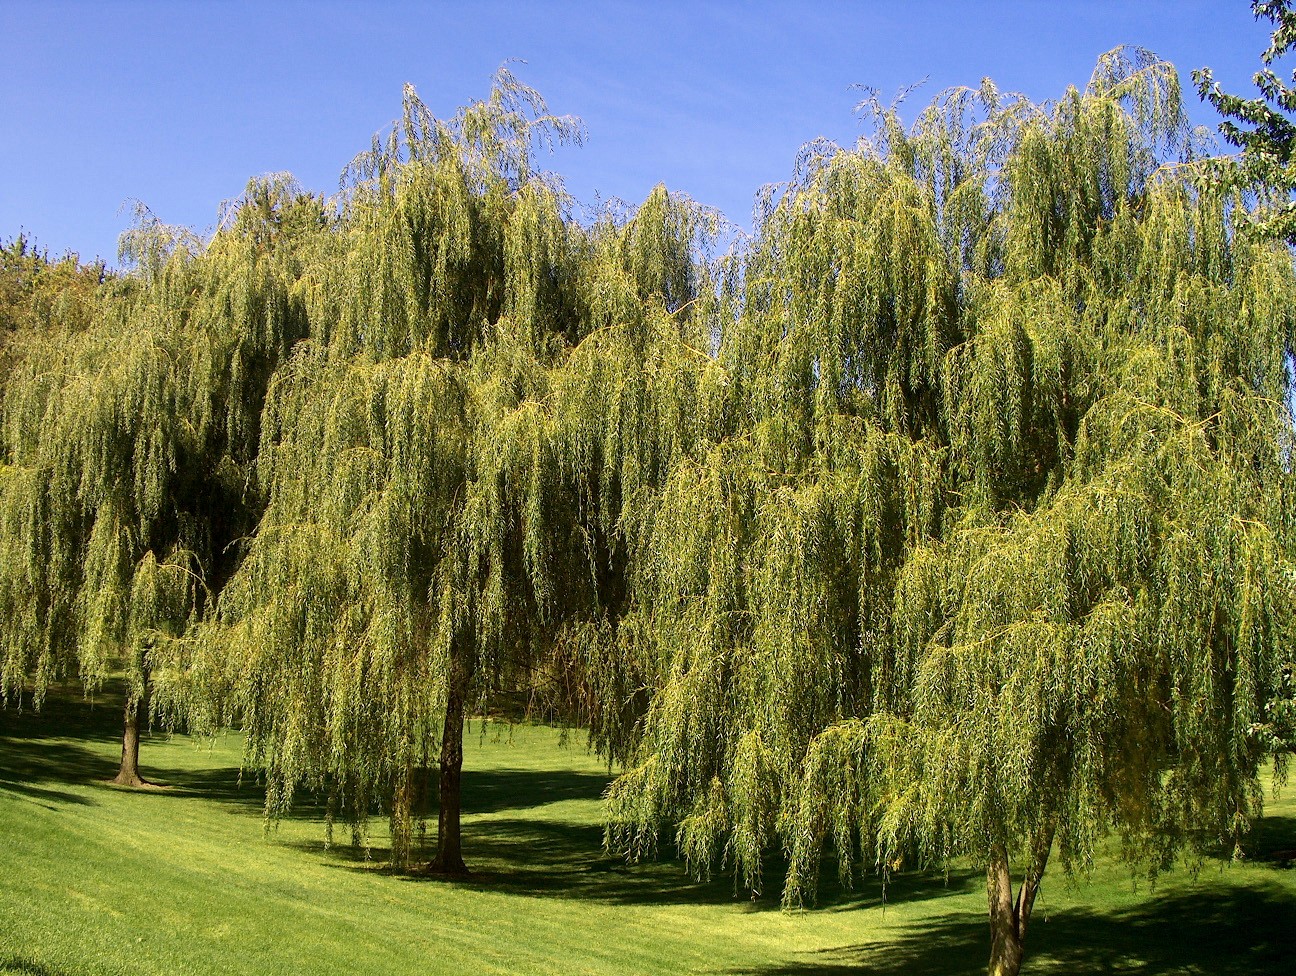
(97, 880)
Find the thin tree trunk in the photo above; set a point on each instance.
(128, 773)
(1009, 915)
(449, 859)
(1006, 945)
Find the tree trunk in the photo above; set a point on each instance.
(128, 772)
(449, 859)
(1007, 944)
(1009, 916)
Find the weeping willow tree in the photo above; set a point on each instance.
(995, 554)
(950, 519)
(128, 435)
(37, 291)
(431, 539)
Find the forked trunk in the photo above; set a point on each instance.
(1009, 915)
(128, 773)
(1007, 939)
(449, 859)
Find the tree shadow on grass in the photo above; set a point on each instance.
(1239, 932)
(67, 714)
(533, 857)
(537, 857)
(564, 860)
(73, 741)
(484, 791)
(552, 859)
(1272, 840)
(40, 750)
(26, 967)
(496, 790)
(229, 786)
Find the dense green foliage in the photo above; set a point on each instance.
(949, 517)
(998, 553)
(40, 295)
(1262, 128)
(129, 432)
(425, 536)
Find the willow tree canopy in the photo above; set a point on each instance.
(998, 552)
(128, 435)
(950, 517)
(430, 462)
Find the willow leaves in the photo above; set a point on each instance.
(998, 552)
(949, 516)
(436, 470)
(128, 437)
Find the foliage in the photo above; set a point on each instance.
(949, 517)
(36, 292)
(128, 439)
(427, 541)
(1262, 127)
(999, 551)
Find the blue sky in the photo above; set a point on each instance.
(178, 103)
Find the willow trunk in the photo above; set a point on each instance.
(449, 859)
(128, 773)
(1010, 915)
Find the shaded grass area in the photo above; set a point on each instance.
(1244, 931)
(99, 880)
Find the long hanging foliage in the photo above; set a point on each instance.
(434, 468)
(998, 555)
(127, 445)
(40, 296)
(950, 517)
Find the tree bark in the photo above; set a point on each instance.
(449, 859)
(1009, 915)
(128, 773)
(1006, 943)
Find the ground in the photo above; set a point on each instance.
(100, 880)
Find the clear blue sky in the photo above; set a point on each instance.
(178, 103)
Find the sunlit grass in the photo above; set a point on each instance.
(95, 880)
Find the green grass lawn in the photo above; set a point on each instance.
(95, 880)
